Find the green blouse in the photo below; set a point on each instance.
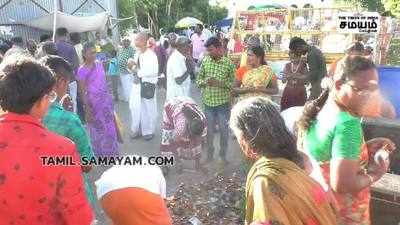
(334, 136)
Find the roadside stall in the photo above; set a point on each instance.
(318, 26)
(276, 27)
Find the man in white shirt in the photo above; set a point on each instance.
(207, 32)
(178, 81)
(198, 39)
(142, 102)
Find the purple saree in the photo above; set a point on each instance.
(102, 129)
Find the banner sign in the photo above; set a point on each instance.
(251, 21)
(356, 23)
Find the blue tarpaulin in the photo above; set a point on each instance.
(224, 23)
(389, 82)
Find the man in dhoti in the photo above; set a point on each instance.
(179, 69)
(142, 102)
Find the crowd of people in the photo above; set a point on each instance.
(310, 162)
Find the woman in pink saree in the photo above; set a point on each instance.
(98, 105)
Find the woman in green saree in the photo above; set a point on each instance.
(331, 133)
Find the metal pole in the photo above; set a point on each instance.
(61, 5)
(55, 10)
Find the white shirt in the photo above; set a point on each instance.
(198, 44)
(176, 67)
(207, 32)
(291, 116)
(78, 49)
(162, 39)
(146, 177)
(147, 66)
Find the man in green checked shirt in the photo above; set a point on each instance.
(215, 79)
(66, 123)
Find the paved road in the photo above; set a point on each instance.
(149, 148)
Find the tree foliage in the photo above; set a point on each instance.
(393, 6)
(394, 52)
(126, 9)
(156, 14)
(386, 7)
(373, 5)
(368, 5)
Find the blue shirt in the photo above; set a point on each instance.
(113, 67)
(67, 51)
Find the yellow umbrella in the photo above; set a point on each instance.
(187, 22)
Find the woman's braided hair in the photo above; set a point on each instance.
(258, 120)
(352, 67)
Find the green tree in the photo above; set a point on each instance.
(144, 12)
(386, 7)
(393, 6)
(126, 9)
(373, 5)
(155, 14)
(369, 5)
(393, 56)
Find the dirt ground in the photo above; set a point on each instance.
(382, 214)
(151, 148)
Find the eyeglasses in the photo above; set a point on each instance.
(364, 92)
(52, 96)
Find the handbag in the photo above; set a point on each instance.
(147, 90)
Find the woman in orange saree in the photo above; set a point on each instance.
(259, 78)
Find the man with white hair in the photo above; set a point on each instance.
(179, 69)
(142, 101)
